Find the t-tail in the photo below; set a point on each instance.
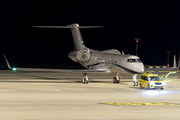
(78, 41)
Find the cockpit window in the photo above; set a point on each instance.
(133, 60)
(138, 60)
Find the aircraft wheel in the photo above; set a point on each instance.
(84, 81)
(136, 83)
(114, 80)
(118, 81)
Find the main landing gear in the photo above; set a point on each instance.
(85, 79)
(117, 78)
(135, 83)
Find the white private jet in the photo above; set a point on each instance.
(107, 61)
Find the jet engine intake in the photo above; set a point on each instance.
(80, 55)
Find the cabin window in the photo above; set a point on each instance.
(102, 61)
(109, 62)
(97, 59)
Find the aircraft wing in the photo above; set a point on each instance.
(57, 70)
(60, 70)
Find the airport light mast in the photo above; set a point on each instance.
(137, 40)
(179, 62)
(168, 53)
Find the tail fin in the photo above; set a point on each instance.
(78, 41)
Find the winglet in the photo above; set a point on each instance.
(7, 62)
(179, 62)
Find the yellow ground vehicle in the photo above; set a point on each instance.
(152, 81)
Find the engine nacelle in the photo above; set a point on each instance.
(113, 51)
(80, 55)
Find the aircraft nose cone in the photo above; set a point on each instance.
(141, 69)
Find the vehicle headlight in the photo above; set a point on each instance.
(163, 82)
(152, 83)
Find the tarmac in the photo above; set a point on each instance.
(62, 96)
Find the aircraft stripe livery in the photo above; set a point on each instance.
(107, 61)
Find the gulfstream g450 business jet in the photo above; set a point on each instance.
(107, 61)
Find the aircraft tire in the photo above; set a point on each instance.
(114, 80)
(117, 81)
(136, 83)
(84, 81)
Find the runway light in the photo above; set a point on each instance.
(14, 69)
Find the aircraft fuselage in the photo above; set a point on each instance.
(113, 62)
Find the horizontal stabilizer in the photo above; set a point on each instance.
(68, 26)
(78, 41)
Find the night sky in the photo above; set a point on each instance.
(157, 24)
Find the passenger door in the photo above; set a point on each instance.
(142, 81)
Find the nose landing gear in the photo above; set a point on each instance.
(135, 83)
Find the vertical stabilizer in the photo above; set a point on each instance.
(174, 63)
(78, 41)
